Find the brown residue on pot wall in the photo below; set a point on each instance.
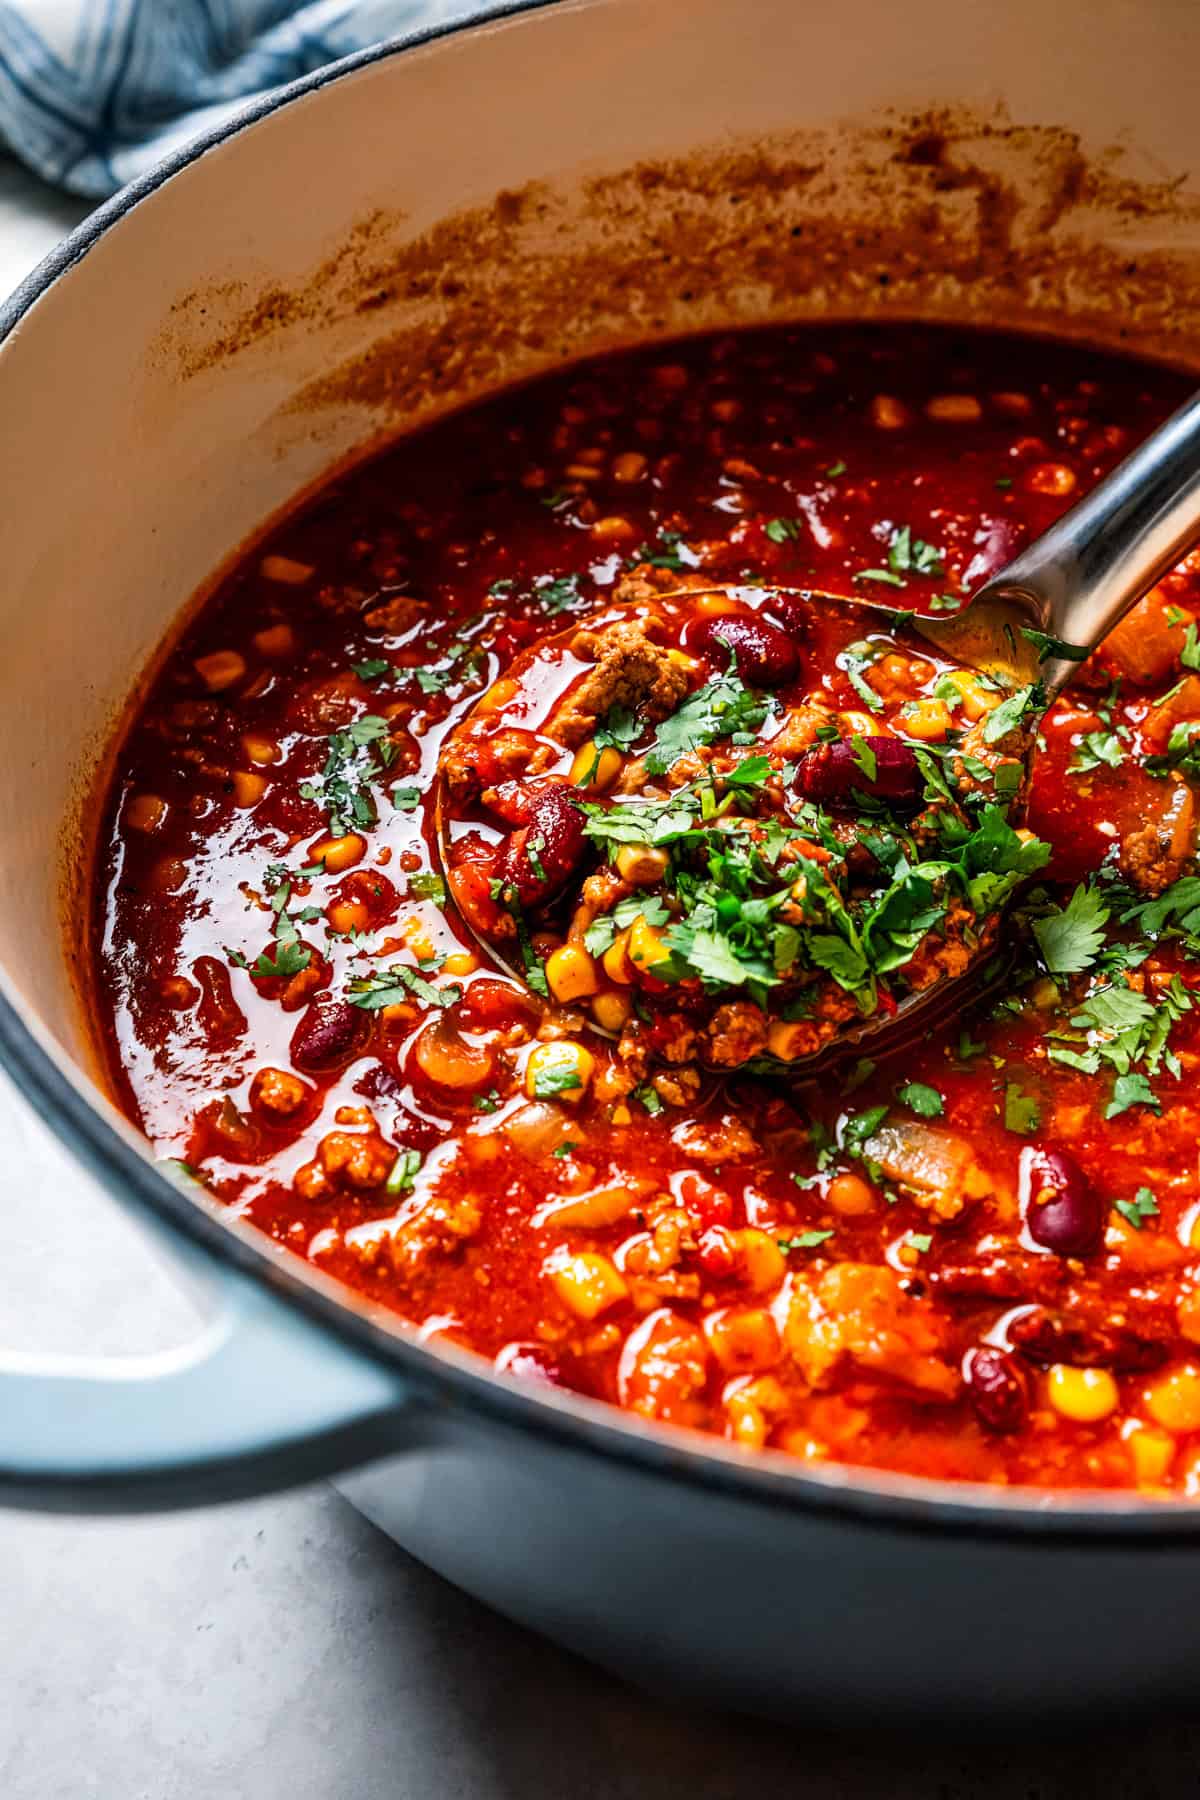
(943, 215)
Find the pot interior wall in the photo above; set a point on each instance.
(462, 215)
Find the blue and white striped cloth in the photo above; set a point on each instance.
(92, 92)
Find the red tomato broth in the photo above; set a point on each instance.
(398, 563)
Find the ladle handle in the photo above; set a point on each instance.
(1084, 573)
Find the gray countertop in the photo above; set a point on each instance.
(284, 1650)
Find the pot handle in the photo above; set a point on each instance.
(260, 1399)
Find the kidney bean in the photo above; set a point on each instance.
(329, 1034)
(766, 655)
(221, 1018)
(1046, 1337)
(996, 1388)
(1063, 1212)
(541, 856)
(833, 772)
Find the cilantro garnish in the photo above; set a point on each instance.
(404, 1171)
(406, 799)
(426, 884)
(920, 1241)
(1131, 1090)
(1143, 1206)
(1071, 937)
(853, 660)
(355, 756)
(925, 1101)
(373, 669)
(557, 593)
(723, 708)
(487, 1103)
(1048, 646)
(388, 987)
(1021, 1112)
(1189, 656)
(1096, 750)
(1009, 714)
(804, 1240)
(556, 1077)
(780, 531)
(671, 553)
(649, 1098)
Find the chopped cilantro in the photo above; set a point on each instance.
(1131, 1090)
(780, 531)
(1021, 1112)
(426, 884)
(1189, 656)
(557, 1074)
(355, 756)
(649, 1098)
(723, 707)
(487, 1103)
(564, 1149)
(853, 660)
(406, 799)
(404, 1171)
(372, 669)
(835, 469)
(671, 553)
(804, 1240)
(556, 593)
(1143, 1206)
(1072, 937)
(1048, 646)
(910, 555)
(925, 1101)
(388, 987)
(1096, 750)
(920, 1241)
(1009, 714)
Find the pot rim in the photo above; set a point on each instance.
(111, 1151)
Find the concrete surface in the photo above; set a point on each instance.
(284, 1650)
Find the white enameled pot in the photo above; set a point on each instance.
(382, 241)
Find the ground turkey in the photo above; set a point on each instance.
(630, 671)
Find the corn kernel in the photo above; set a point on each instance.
(858, 724)
(629, 466)
(286, 569)
(497, 696)
(744, 1340)
(1084, 1395)
(145, 812)
(621, 1114)
(927, 720)
(682, 660)
(1187, 1307)
(788, 1039)
(1173, 1401)
(888, 413)
(1150, 1453)
(611, 1011)
(460, 962)
(615, 960)
(220, 669)
(641, 864)
(248, 788)
(612, 530)
(954, 409)
(976, 699)
(338, 853)
(346, 916)
(851, 1196)
(260, 750)
(560, 1070)
(763, 1260)
(571, 973)
(586, 1282)
(594, 768)
(646, 947)
(275, 640)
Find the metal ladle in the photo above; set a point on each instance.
(1071, 586)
